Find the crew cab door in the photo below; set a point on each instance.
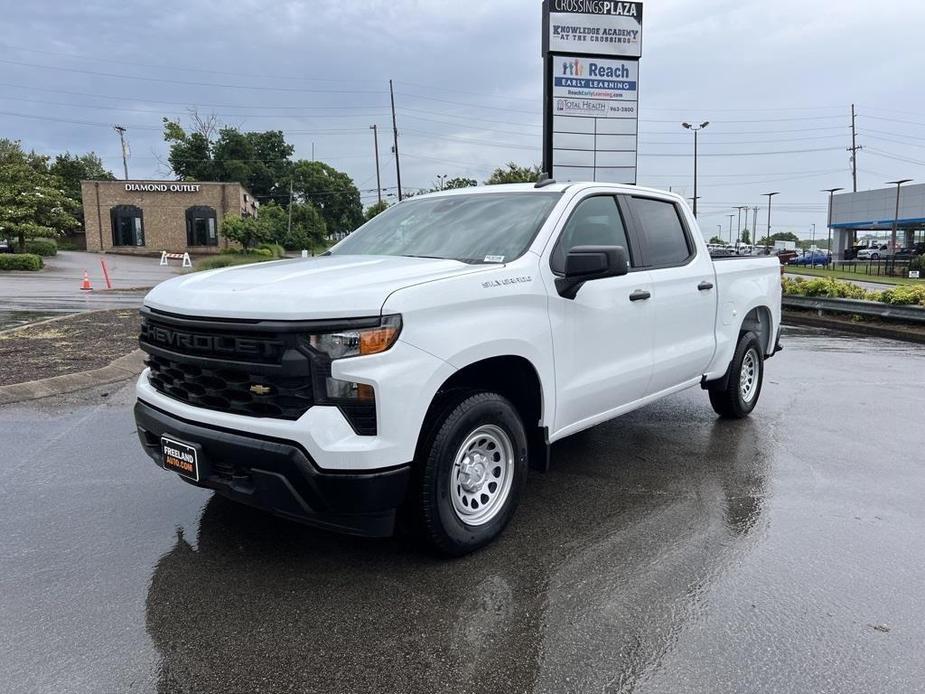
(683, 303)
(602, 339)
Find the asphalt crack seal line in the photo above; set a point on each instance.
(119, 369)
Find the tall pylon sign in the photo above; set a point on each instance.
(591, 52)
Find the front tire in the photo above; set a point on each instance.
(471, 471)
(736, 395)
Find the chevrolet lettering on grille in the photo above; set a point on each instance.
(215, 344)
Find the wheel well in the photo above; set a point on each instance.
(513, 377)
(758, 321)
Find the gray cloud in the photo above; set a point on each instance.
(771, 77)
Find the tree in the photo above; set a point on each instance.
(332, 192)
(514, 173)
(248, 231)
(716, 240)
(308, 228)
(375, 208)
(258, 161)
(459, 182)
(72, 169)
(746, 236)
(32, 201)
(779, 236)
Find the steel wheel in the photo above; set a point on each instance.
(480, 481)
(748, 376)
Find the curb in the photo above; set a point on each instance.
(120, 369)
(811, 319)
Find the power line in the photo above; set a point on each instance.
(188, 83)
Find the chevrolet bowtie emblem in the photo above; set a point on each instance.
(260, 390)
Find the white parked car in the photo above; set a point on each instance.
(875, 252)
(432, 356)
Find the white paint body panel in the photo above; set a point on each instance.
(596, 357)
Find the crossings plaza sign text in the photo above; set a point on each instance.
(594, 27)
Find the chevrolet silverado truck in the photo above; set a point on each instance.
(418, 369)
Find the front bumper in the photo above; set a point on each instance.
(279, 476)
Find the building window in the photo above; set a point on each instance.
(201, 229)
(127, 226)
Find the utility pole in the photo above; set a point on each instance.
(754, 225)
(119, 129)
(730, 228)
(395, 133)
(375, 130)
(695, 129)
(289, 234)
(854, 150)
(767, 238)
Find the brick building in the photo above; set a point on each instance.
(147, 217)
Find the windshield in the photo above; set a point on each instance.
(472, 228)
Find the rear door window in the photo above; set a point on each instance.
(666, 240)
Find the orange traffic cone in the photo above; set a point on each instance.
(85, 285)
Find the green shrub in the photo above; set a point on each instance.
(276, 250)
(825, 286)
(918, 263)
(20, 261)
(904, 295)
(42, 247)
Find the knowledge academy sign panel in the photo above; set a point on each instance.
(593, 27)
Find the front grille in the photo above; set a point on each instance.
(234, 367)
(230, 388)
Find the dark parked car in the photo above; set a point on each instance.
(787, 256)
(6, 245)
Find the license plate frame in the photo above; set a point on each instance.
(180, 457)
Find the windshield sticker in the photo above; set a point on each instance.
(494, 258)
(506, 281)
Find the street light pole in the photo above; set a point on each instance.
(442, 179)
(695, 129)
(898, 185)
(831, 192)
(730, 227)
(767, 238)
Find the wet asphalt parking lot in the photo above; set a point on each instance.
(666, 551)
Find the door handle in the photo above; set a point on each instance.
(640, 295)
(705, 286)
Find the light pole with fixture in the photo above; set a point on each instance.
(898, 185)
(442, 179)
(696, 129)
(767, 238)
(730, 228)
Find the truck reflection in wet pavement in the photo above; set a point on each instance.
(605, 563)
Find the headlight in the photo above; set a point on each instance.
(358, 342)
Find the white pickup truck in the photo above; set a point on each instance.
(419, 368)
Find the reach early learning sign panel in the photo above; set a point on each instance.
(594, 27)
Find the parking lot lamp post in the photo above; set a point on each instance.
(831, 192)
(767, 237)
(730, 227)
(898, 185)
(695, 129)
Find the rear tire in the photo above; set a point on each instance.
(742, 387)
(471, 469)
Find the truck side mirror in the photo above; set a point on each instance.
(587, 263)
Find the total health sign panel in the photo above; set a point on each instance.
(591, 124)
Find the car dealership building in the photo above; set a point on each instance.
(874, 211)
(147, 217)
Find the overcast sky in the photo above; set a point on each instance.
(770, 77)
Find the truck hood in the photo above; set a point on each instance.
(324, 287)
